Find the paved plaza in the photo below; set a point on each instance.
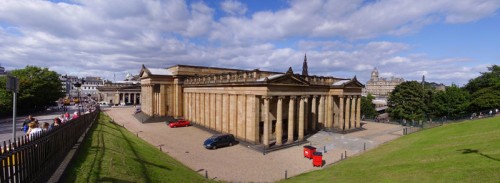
(242, 164)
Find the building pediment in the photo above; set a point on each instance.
(353, 83)
(287, 78)
(149, 72)
(144, 72)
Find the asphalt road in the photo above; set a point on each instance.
(6, 124)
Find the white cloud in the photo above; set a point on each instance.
(106, 37)
(233, 7)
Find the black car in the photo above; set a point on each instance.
(219, 140)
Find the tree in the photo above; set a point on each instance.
(38, 88)
(5, 98)
(485, 90)
(367, 107)
(408, 101)
(453, 103)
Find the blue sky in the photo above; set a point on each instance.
(449, 41)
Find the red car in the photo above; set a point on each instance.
(179, 123)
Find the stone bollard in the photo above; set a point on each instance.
(345, 154)
(286, 174)
(206, 174)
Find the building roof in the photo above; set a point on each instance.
(159, 71)
(270, 77)
(341, 82)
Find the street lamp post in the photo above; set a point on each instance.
(79, 85)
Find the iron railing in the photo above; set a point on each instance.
(35, 158)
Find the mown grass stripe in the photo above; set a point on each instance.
(113, 154)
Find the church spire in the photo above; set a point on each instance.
(304, 66)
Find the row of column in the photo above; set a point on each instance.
(230, 113)
(303, 113)
(132, 97)
(240, 114)
(342, 112)
(339, 112)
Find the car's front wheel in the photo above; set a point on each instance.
(215, 147)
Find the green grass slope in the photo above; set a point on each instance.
(113, 154)
(460, 152)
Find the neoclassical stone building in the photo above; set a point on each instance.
(259, 107)
(381, 87)
(126, 92)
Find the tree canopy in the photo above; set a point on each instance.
(367, 107)
(408, 101)
(454, 103)
(38, 88)
(485, 89)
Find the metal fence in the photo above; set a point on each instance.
(35, 158)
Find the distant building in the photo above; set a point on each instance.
(381, 87)
(67, 86)
(89, 86)
(2, 71)
(126, 92)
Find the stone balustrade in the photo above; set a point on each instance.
(251, 77)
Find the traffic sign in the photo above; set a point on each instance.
(12, 84)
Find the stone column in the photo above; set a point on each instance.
(187, 106)
(341, 113)
(279, 121)
(225, 113)
(321, 111)
(291, 119)
(306, 114)
(213, 124)
(358, 113)
(336, 112)
(197, 108)
(301, 118)
(314, 113)
(329, 112)
(353, 110)
(267, 122)
(218, 112)
(348, 112)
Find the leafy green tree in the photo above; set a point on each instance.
(38, 88)
(453, 103)
(5, 98)
(485, 90)
(486, 98)
(367, 107)
(408, 101)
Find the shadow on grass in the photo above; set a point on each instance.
(468, 151)
(109, 179)
(143, 166)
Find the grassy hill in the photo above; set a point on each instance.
(460, 152)
(113, 154)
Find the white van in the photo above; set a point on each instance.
(103, 104)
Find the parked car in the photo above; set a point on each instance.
(219, 140)
(179, 123)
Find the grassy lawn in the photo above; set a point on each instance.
(113, 154)
(461, 152)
